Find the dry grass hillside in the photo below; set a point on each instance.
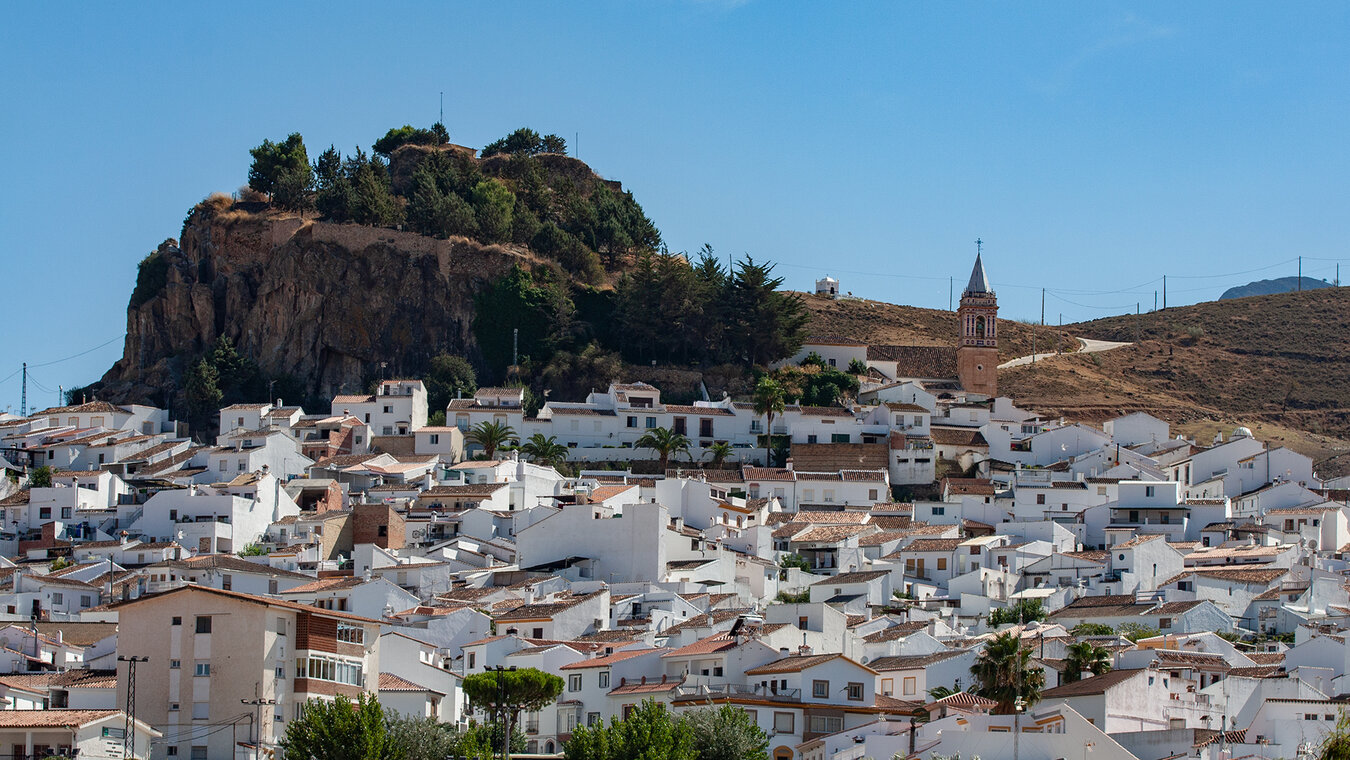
(877, 322)
(1279, 364)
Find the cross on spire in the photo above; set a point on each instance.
(978, 246)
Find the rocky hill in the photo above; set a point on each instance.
(315, 302)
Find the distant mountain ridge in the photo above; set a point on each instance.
(1272, 287)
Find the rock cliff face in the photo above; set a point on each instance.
(322, 303)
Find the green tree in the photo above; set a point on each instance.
(649, 732)
(507, 692)
(293, 188)
(1336, 744)
(572, 375)
(770, 400)
(406, 134)
(1002, 673)
(491, 436)
(1136, 631)
(527, 141)
(449, 376)
(483, 741)
(726, 733)
(493, 204)
(769, 324)
(271, 159)
(372, 199)
(857, 367)
(537, 303)
(544, 450)
(333, 186)
(1084, 655)
(794, 560)
(941, 692)
(340, 730)
(40, 477)
(1092, 629)
(664, 441)
(1022, 611)
(719, 452)
(203, 390)
(418, 737)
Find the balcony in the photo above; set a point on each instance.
(738, 690)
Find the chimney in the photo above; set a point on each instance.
(125, 540)
(426, 482)
(788, 464)
(583, 497)
(278, 404)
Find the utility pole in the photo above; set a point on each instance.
(1059, 334)
(1300, 274)
(441, 120)
(1136, 321)
(257, 702)
(129, 730)
(1155, 300)
(951, 288)
(1164, 292)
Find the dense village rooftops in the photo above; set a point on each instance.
(541, 610)
(242, 597)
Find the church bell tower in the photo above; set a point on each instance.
(977, 354)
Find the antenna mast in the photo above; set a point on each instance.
(23, 398)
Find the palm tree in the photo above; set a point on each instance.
(491, 436)
(664, 441)
(545, 451)
(770, 399)
(939, 692)
(1003, 674)
(1086, 656)
(720, 450)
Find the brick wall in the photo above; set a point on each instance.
(367, 521)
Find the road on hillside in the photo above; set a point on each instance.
(1086, 346)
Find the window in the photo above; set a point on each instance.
(1164, 622)
(910, 685)
(352, 634)
(871, 494)
(538, 634)
(855, 692)
(436, 439)
(58, 597)
(389, 409)
(472, 656)
(65, 514)
(603, 681)
(281, 626)
(176, 620)
(243, 464)
(203, 624)
(632, 421)
(199, 753)
(939, 510)
(203, 669)
(328, 668)
(227, 581)
(820, 689)
(201, 710)
(651, 423)
(839, 438)
(1040, 498)
(783, 723)
(826, 724)
(573, 682)
(44, 513)
(171, 751)
(175, 664)
(941, 565)
(705, 428)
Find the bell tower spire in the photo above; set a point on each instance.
(977, 353)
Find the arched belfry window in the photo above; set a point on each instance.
(979, 327)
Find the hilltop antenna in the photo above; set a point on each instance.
(442, 119)
(23, 398)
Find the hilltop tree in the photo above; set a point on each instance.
(527, 141)
(271, 160)
(769, 324)
(493, 204)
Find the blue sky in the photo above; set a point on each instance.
(1094, 147)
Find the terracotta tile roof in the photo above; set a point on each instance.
(796, 663)
(250, 598)
(944, 436)
(891, 704)
(831, 533)
(819, 518)
(1266, 658)
(714, 643)
(1241, 574)
(609, 492)
(326, 584)
(607, 660)
(917, 361)
(1092, 686)
(1136, 541)
(1206, 660)
(911, 661)
(969, 486)
(895, 632)
(767, 473)
(89, 408)
(471, 489)
(391, 682)
(644, 686)
(832, 457)
(859, 577)
(877, 539)
(52, 718)
(932, 545)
